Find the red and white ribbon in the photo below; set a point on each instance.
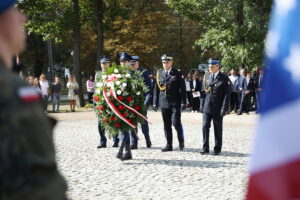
(115, 110)
(113, 93)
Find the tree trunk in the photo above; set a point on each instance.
(39, 51)
(76, 50)
(99, 28)
(240, 20)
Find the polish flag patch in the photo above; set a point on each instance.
(28, 94)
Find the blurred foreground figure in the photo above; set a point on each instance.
(27, 159)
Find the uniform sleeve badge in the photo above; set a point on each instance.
(28, 94)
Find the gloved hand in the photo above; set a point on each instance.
(183, 106)
(223, 113)
(154, 108)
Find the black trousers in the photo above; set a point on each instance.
(90, 97)
(172, 116)
(189, 97)
(196, 104)
(234, 101)
(245, 103)
(218, 127)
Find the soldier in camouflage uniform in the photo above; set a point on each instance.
(28, 168)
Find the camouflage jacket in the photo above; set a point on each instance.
(28, 167)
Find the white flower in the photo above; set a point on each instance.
(125, 93)
(119, 92)
(128, 75)
(133, 86)
(119, 76)
(98, 91)
(116, 71)
(108, 93)
(108, 84)
(118, 82)
(104, 76)
(138, 93)
(99, 84)
(124, 84)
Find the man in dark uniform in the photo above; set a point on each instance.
(216, 104)
(28, 168)
(124, 59)
(135, 66)
(172, 96)
(105, 63)
(125, 155)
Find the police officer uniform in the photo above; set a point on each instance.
(216, 103)
(125, 144)
(172, 98)
(101, 130)
(144, 126)
(123, 56)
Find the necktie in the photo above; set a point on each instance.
(166, 74)
(213, 77)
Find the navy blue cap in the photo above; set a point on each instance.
(134, 59)
(5, 4)
(214, 61)
(104, 59)
(166, 57)
(124, 56)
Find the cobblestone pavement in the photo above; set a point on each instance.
(95, 174)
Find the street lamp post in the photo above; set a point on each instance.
(50, 58)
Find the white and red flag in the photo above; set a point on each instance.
(275, 162)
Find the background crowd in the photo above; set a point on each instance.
(245, 90)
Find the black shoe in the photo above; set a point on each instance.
(133, 146)
(239, 114)
(148, 144)
(167, 148)
(119, 155)
(181, 146)
(101, 146)
(215, 153)
(203, 152)
(127, 155)
(120, 152)
(115, 145)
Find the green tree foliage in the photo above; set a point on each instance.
(233, 29)
(144, 28)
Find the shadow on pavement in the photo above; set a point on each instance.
(197, 150)
(234, 154)
(185, 163)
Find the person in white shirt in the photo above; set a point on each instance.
(90, 84)
(234, 100)
(44, 90)
(188, 90)
(72, 94)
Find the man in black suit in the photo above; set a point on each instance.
(172, 97)
(259, 88)
(241, 81)
(216, 104)
(248, 88)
